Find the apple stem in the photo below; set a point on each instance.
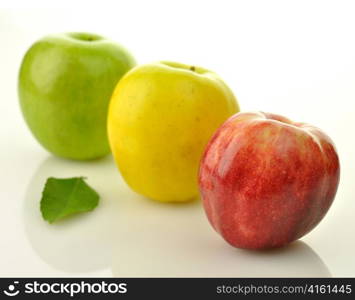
(192, 68)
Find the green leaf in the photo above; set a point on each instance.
(63, 197)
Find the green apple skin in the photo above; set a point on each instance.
(65, 85)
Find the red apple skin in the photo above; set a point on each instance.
(266, 181)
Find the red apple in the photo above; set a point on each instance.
(266, 181)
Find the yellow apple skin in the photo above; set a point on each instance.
(160, 119)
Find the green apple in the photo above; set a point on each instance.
(65, 85)
(160, 119)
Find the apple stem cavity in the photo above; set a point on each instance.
(85, 37)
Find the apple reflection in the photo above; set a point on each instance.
(82, 243)
(195, 251)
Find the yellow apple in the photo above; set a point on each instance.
(161, 116)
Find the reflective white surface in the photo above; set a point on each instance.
(304, 70)
(128, 235)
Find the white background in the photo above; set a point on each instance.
(296, 58)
